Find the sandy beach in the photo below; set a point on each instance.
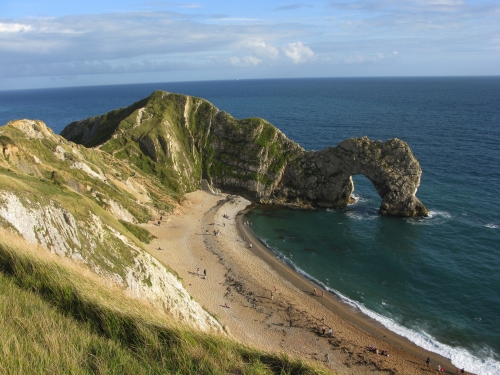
(270, 306)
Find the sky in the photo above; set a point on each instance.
(57, 43)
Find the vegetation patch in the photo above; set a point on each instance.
(56, 320)
(141, 234)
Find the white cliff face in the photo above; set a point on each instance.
(149, 278)
(33, 128)
(84, 167)
(106, 251)
(49, 225)
(118, 211)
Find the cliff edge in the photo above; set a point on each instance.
(183, 140)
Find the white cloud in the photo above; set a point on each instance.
(298, 52)
(13, 27)
(261, 49)
(349, 32)
(244, 61)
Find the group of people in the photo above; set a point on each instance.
(159, 221)
(376, 351)
(442, 369)
(330, 331)
(317, 294)
(204, 273)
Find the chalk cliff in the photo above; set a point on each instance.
(81, 204)
(183, 139)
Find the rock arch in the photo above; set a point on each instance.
(324, 178)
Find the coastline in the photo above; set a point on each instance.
(271, 306)
(332, 302)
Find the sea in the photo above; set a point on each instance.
(434, 280)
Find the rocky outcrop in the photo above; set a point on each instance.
(324, 178)
(185, 139)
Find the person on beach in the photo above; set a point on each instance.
(327, 357)
(323, 330)
(428, 361)
(205, 273)
(250, 246)
(159, 222)
(272, 295)
(330, 332)
(322, 293)
(198, 271)
(315, 292)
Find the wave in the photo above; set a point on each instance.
(357, 199)
(361, 215)
(460, 357)
(492, 226)
(433, 218)
(436, 214)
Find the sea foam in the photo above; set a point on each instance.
(433, 218)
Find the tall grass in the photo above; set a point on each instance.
(58, 318)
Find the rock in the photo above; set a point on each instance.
(205, 186)
(250, 157)
(324, 178)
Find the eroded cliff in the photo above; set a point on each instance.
(81, 204)
(182, 140)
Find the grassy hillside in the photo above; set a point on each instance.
(59, 318)
(182, 139)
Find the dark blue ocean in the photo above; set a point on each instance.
(435, 280)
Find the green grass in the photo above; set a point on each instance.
(141, 234)
(59, 319)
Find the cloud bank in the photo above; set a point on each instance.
(297, 37)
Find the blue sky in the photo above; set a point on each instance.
(54, 43)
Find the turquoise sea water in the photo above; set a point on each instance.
(435, 280)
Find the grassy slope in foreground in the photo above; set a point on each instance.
(59, 318)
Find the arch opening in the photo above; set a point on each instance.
(366, 198)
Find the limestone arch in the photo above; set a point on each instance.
(323, 178)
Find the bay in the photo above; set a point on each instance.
(434, 280)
